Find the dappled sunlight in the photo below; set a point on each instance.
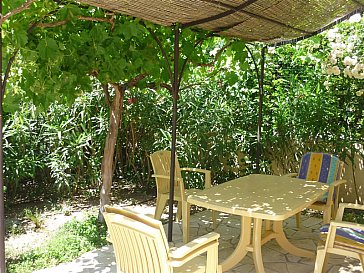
(350, 268)
(270, 195)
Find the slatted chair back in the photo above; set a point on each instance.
(161, 162)
(139, 242)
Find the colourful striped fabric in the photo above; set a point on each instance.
(321, 167)
(348, 236)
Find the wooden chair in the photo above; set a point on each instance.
(161, 162)
(140, 245)
(324, 168)
(342, 238)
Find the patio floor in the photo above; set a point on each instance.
(275, 259)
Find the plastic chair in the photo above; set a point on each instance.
(324, 168)
(342, 238)
(161, 162)
(140, 245)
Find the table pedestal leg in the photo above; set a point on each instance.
(285, 244)
(241, 249)
(257, 246)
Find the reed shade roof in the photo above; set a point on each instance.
(270, 21)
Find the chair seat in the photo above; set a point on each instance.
(177, 195)
(347, 237)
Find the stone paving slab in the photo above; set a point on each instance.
(276, 260)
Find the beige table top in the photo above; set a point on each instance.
(260, 196)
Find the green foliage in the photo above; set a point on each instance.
(304, 108)
(34, 216)
(54, 152)
(72, 240)
(354, 216)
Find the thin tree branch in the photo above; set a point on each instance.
(163, 85)
(255, 63)
(185, 63)
(84, 18)
(7, 71)
(218, 54)
(162, 50)
(167, 86)
(53, 24)
(16, 11)
(133, 82)
(201, 82)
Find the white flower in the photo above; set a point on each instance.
(353, 38)
(358, 71)
(347, 61)
(336, 70)
(360, 92)
(334, 46)
(338, 38)
(214, 51)
(327, 84)
(271, 50)
(329, 70)
(339, 53)
(333, 60)
(333, 70)
(350, 61)
(355, 18)
(342, 46)
(350, 47)
(359, 76)
(331, 34)
(347, 72)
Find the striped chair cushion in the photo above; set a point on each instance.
(351, 237)
(321, 167)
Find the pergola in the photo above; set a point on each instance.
(270, 21)
(274, 22)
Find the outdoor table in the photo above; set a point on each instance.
(256, 198)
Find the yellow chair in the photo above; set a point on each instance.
(324, 168)
(140, 245)
(342, 238)
(161, 162)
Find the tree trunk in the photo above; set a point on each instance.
(116, 109)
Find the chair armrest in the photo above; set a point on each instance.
(166, 177)
(345, 224)
(195, 170)
(183, 254)
(343, 206)
(291, 174)
(351, 206)
(338, 182)
(206, 172)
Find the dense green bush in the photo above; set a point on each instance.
(57, 151)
